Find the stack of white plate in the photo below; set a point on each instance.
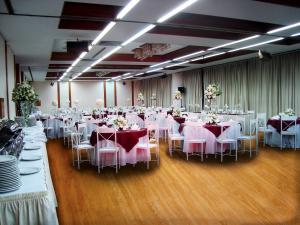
(10, 179)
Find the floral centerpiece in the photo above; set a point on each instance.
(289, 112)
(212, 119)
(24, 96)
(178, 95)
(120, 122)
(176, 113)
(211, 92)
(153, 97)
(99, 102)
(140, 97)
(54, 103)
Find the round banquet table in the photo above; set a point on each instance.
(127, 141)
(274, 139)
(211, 133)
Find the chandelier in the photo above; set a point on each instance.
(149, 49)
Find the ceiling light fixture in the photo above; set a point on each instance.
(103, 32)
(139, 74)
(82, 55)
(127, 8)
(159, 64)
(128, 77)
(295, 35)
(283, 28)
(207, 56)
(176, 10)
(234, 42)
(150, 71)
(177, 64)
(258, 44)
(189, 55)
(106, 55)
(140, 33)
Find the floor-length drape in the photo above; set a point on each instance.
(161, 87)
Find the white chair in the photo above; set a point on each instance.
(253, 135)
(193, 135)
(68, 129)
(288, 128)
(78, 148)
(262, 126)
(152, 142)
(49, 126)
(173, 136)
(225, 141)
(107, 145)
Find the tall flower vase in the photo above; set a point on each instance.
(25, 110)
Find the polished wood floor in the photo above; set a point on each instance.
(263, 190)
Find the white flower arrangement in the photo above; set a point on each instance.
(24, 93)
(76, 102)
(140, 97)
(176, 113)
(212, 118)
(212, 91)
(141, 110)
(153, 97)
(289, 112)
(99, 102)
(178, 95)
(120, 122)
(54, 103)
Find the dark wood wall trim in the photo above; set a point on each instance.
(17, 73)
(58, 94)
(132, 93)
(70, 95)
(6, 75)
(104, 93)
(115, 93)
(22, 76)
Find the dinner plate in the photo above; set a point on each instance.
(31, 158)
(7, 159)
(32, 147)
(29, 170)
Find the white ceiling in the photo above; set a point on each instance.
(33, 39)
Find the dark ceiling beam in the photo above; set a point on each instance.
(9, 7)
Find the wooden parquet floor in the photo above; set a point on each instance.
(261, 190)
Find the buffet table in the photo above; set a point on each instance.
(35, 202)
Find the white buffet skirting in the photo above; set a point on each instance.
(35, 202)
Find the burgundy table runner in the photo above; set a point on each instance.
(142, 116)
(179, 120)
(277, 124)
(215, 129)
(127, 138)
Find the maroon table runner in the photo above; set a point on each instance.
(179, 120)
(277, 124)
(127, 138)
(142, 116)
(215, 129)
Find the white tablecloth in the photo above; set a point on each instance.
(35, 202)
(288, 141)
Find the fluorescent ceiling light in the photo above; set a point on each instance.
(116, 77)
(118, 80)
(176, 10)
(127, 8)
(103, 32)
(150, 71)
(75, 62)
(128, 77)
(106, 55)
(82, 55)
(126, 74)
(207, 56)
(86, 69)
(68, 70)
(189, 55)
(234, 42)
(158, 64)
(295, 35)
(177, 64)
(258, 44)
(283, 28)
(140, 33)
(139, 74)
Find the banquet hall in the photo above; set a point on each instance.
(149, 112)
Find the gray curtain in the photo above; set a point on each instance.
(269, 86)
(159, 86)
(192, 80)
